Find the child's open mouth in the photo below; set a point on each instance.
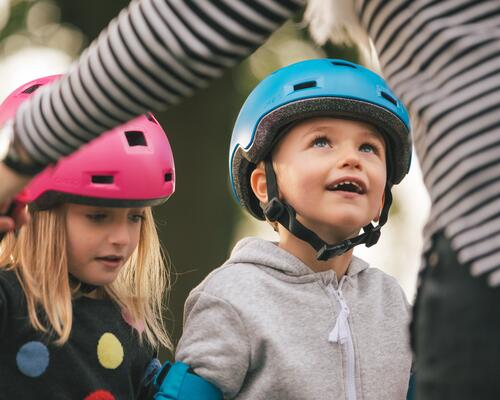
(111, 261)
(347, 186)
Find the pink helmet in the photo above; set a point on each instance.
(129, 166)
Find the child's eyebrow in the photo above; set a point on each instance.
(319, 128)
(97, 210)
(374, 134)
(327, 129)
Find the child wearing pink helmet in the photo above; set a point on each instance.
(82, 284)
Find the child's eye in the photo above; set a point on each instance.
(368, 148)
(320, 142)
(136, 217)
(96, 217)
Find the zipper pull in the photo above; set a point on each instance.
(340, 331)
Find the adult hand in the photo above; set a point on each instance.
(11, 184)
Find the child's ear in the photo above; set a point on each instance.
(377, 217)
(258, 182)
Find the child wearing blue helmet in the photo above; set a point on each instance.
(315, 151)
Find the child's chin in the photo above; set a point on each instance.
(336, 228)
(101, 281)
(337, 234)
(346, 223)
(349, 224)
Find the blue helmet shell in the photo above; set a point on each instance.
(314, 88)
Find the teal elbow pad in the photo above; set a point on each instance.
(178, 382)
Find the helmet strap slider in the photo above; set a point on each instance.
(274, 209)
(372, 236)
(328, 251)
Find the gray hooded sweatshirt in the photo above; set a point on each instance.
(264, 326)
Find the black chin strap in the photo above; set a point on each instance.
(281, 212)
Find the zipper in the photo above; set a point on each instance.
(341, 334)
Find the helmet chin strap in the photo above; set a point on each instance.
(279, 211)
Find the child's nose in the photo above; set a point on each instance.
(349, 158)
(120, 234)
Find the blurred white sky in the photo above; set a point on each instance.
(44, 47)
(30, 63)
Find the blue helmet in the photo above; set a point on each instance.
(314, 88)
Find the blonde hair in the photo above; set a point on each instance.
(337, 21)
(38, 256)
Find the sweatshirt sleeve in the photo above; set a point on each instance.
(215, 342)
(153, 55)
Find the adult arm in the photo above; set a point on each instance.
(153, 55)
(442, 59)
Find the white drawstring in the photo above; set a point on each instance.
(340, 331)
(341, 334)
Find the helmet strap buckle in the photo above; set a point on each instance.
(328, 251)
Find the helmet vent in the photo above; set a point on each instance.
(343, 64)
(31, 89)
(103, 179)
(135, 138)
(168, 176)
(304, 85)
(388, 97)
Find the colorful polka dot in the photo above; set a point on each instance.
(33, 359)
(152, 369)
(109, 351)
(100, 395)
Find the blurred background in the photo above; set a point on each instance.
(201, 222)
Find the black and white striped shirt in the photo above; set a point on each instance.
(441, 57)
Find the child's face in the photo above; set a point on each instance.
(314, 161)
(101, 240)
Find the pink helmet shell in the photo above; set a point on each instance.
(131, 165)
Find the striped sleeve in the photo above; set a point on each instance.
(442, 57)
(153, 55)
